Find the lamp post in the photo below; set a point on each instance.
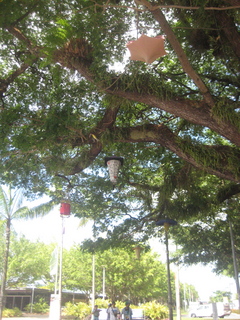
(93, 282)
(64, 213)
(167, 223)
(104, 277)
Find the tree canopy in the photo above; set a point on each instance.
(70, 96)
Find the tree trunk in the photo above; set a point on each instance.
(5, 267)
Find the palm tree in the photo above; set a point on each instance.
(11, 208)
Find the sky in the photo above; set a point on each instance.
(48, 229)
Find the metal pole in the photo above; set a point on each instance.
(178, 302)
(93, 282)
(235, 263)
(170, 306)
(56, 275)
(32, 298)
(104, 282)
(60, 270)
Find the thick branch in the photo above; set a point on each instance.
(165, 137)
(193, 111)
(159, 16)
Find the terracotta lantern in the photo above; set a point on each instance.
(147, 49)
(65, 209)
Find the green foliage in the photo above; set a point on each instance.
(147, 275)
(208, 240)
(60, 64)
(80, 310)
(15, 312)
(39, 307)
(219, 296)
(155, 311)
(102, 303)
(152, 310)
(25, 266)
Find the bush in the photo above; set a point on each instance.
(155, 311)
(80, 310)
(15, 312)
(39, 307)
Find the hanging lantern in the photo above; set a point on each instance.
(113, 163)
(65, 210)
(147, 49)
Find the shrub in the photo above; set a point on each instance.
(15, 312)
(155, 311)
(80, 310)
(39, 307)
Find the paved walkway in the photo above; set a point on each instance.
(46, 316)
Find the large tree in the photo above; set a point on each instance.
(70, 97)
(28, 263)
(143, 279)
(63, 106)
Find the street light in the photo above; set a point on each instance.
(64, 213)
(167, 223)
(104, 282)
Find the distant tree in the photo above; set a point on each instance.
(143, 280)
(11, 202)
(28, 262)
(220, 295)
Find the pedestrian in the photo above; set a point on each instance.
(127, 311)
(108, 311)
(113, 312)
(96, 313)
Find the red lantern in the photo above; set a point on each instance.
(65, 210)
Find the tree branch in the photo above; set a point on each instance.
(217, 163)
(159, 16)
(4, 83)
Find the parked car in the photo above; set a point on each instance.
(206, 310)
